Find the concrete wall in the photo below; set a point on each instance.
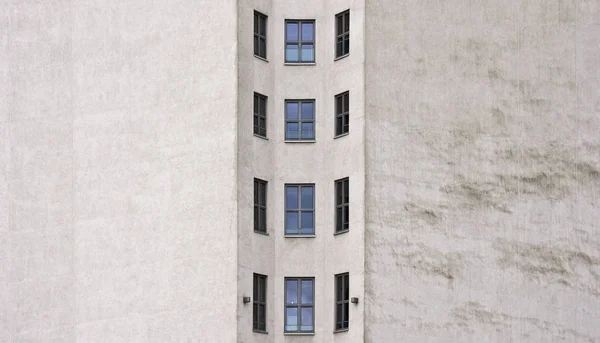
(117, 171)
(483, 171)
(321, 163)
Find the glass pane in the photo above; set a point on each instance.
(291, 53)
(291, 32)
(339, 193)
(308, 53)
(338, 105)
(262, 219)
(346, 287)
(339, 288)
(291, 131)
(347, 22)
(307, 131)
(307, 291)
(291, 223)
(307, 319)
(291, 291)
(291, 110)
(339, 315)
(339, 49)
(291, 318)
(346, 127)
(255, 313)
(308, 110)
(263, 132)
(347, 45)
(307, 197)
(256, 219)
(291, 197)
(263, 26)
(262, 106)
(346, 102)
(338, 125)
(308, 33)
(261, 313)
(263, 48)
(346, 191)
(340, 24)
(346, 217)
(255, 45)
(262, 123)
(338, 219)
(307, 223)
(346, 314)
(255, 287)
(255, 104)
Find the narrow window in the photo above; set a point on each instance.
(299, 304)
(260, 115)
(299, 209)
(259, 303)
(300, 41)
(260, 206)
(299, 119)
(342, 23)
(342, 116)
(342, 301)
(260, 35)
(342, 206)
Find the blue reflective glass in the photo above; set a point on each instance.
(291, 32)
(307, 223)
(291, 197)
(308, 53)
(307, 197)
(291, 318)
(308, 31)
(307, 319)
(307, 291)
(291, 110)
(291, 293)
(291, 53)
(291, 223)
(307, 131)
(291, 131)
(308, 110)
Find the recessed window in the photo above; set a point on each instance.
(342, 45)
(259, 303)
(299, 119)
(342, 206)
(260, 206)
(260, 35)
(300, 41)
(299, 209)
(299, 304)
(342, 113)
(342, 301)
(260, 115)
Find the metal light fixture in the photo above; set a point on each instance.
(246, 299)
(354, 300)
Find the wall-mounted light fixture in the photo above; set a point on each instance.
(246, 300)
(354, 300)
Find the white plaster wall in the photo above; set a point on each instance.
(321, 163)
(483, 171)
(118, 171)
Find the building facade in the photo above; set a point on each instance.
(300, 171)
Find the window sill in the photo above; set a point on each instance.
(341, 57)
(259, 136)
(341, 232)
(299, 236)
(299, 64)
(341, 330)
(298, 333)
(261, 332)
(261, 233)
(299, 141)
(261, 58)
(341, 135)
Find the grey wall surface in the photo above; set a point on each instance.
(118, 171)
(482, 171)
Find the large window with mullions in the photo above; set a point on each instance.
(300, 120)
(299, 304)
(300, 41)
(299, 209)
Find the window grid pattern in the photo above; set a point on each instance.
(300, 41)
(260, 206)
(342, 205)
(300, 209)
(260, 35)
(259, 303)
(342, 113)
(342, 46)
(299, 305)
(260, 115)
(342, 301)
(299, 119)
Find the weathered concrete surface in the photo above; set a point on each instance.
(482, 171)
(117, 171)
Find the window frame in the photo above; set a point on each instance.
(299, 210)
(343, 206)
(300, 42)
(343, 113)
(300, 121)
(262, 20)
(258, 205)
(345, 301)
(342, 35)
(257, 115)
(299, 305)
(257, 303)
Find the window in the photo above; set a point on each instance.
(299, 209)
(260, 35)
(300, 41)
(299, 119)
(342, 207)
(342, 45)
(260, 205)
(342, 301)
(342, 117)
(259, 303)
(260, 115)
(299, 304)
